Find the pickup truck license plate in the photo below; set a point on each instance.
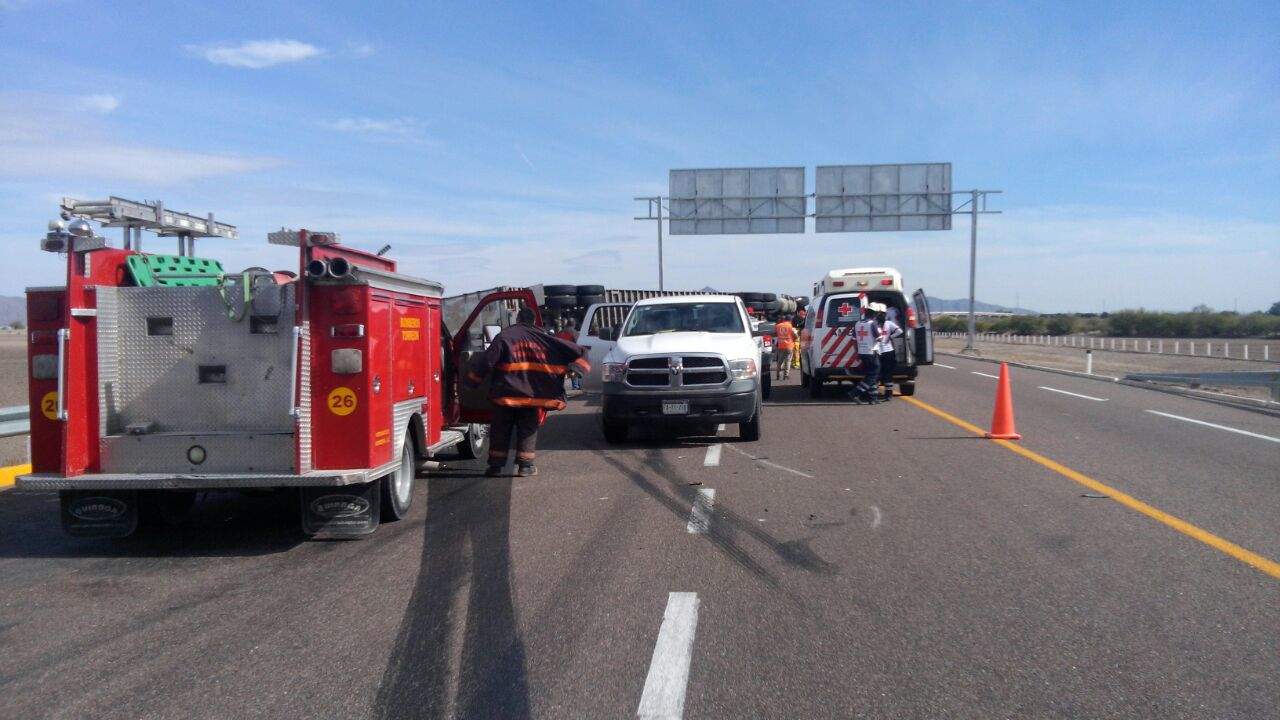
(675, 407)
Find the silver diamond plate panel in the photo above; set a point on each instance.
(224, 453)
(156, 378)
(304, 400)
(400, 414)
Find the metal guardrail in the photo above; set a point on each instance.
(15, 420)
(1221, 379)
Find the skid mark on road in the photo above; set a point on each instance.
(700, 516)
(769, 463)
(1248, 557)
(1215, 426)
(1064, 392)
(664, 687)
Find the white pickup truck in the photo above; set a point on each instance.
(684, 361)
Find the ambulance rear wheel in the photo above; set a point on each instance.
(804, 379)
(397, 486)
(907, 389)
(815, 387)
(476, 444)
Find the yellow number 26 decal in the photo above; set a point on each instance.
(342, 401)
(49, 405)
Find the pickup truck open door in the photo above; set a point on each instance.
(924, 329)
(597, 317)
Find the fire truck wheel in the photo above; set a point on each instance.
(397, 486)
(476, 444)
(165, 508)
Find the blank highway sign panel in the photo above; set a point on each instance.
(860, 198)
(731, 201)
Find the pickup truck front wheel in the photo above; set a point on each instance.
(615, 433)
(749, 431)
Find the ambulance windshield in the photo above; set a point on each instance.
(716, 317)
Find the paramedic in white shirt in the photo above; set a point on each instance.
(889, 330)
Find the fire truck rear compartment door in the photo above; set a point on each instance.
(164, 382)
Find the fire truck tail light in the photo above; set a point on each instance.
(346, 331)
(887, 281)
(346, 361)
(911, 317)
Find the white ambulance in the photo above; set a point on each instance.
(828, 350)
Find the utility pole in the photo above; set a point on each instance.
(973, 270)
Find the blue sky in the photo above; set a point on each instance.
(496, 144)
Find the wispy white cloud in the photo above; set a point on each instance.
(402, 130)
(100, 103)
(256, 54)
(360, 49)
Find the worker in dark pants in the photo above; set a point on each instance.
(866, 334)
(889, 331)
(526, 366)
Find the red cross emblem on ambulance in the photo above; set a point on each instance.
(845, 309)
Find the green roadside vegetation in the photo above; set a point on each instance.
(1201, 322)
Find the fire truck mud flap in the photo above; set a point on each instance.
(98, 513)
(337, 512)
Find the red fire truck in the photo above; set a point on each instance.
(153, 377)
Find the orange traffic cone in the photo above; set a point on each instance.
(1002, 417)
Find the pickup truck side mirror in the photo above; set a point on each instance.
(608, 334)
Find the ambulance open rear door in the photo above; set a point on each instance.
(923, 330)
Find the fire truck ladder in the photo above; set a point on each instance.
(153, 216)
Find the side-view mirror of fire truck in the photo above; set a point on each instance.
(165, 374)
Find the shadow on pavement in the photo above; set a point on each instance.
(222, 524)
(464, 550)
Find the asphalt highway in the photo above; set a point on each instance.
(856, 562)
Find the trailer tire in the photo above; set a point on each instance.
(550, 290)
(802, 301)
(751, 297)
(768, 297)
(589, 290)
(397, 485)
(562, 301)
(476, 444)
(589, 300)
(755, 305)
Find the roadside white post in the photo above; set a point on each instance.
(1226, 349)
(1266, 352)
(1148, 346)
(1246, 352)
(1176, 350)
(1088, 362)
(1161, 350)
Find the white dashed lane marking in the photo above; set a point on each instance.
(1064, 392)
(1216, 426)
(949, 367)
(700, 516)
(993, 377)
(713, 455)
(664, 687)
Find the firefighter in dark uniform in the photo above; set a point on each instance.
(526, 366)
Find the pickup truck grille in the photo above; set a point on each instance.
(668, 371)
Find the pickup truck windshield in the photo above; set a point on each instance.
(714, 317)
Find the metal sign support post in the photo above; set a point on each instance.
(655, 206)
(977, 206)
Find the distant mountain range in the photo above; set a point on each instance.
(11, 309)
(962, 305)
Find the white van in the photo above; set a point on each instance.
(828, 350)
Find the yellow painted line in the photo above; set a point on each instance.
(1247, 557)
(7, 474)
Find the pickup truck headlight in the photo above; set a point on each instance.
(743, 369)
(613, 372)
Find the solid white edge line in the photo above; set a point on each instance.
(1216, 426)
(949, 367)
(664, 687)
(1064, 392)
(700, 515)
(713, 455)
(993, 377)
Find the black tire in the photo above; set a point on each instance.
(772, 305)
(164, 508)
(615, 433)
(397, 485)
(907, 389)
(749, 431)
(804, 379)
(766, 391)
(751, 297)
(768, 297)
(802, 302)
(756, 305)
(562, 301)
(588, 290)
(476, 444)
(815, 387)
(550, 290)
(589, 300)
